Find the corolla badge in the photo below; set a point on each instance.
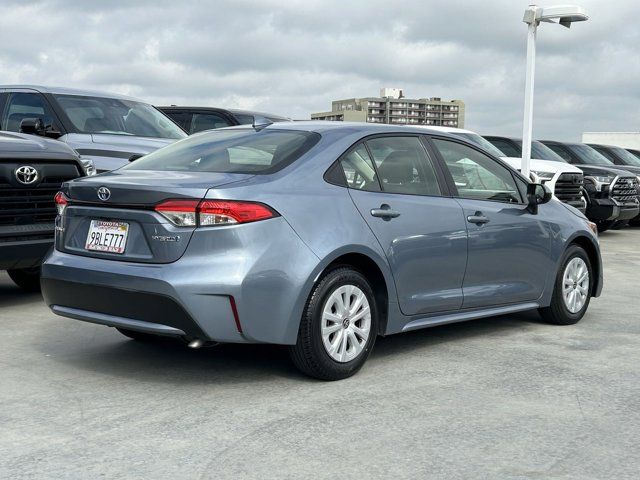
(104, 194)
(26, 174)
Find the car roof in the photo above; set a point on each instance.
(320, 126)
(70, 91)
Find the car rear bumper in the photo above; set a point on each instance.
(237, 295)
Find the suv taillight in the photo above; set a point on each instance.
(61, 202)
(206, 213)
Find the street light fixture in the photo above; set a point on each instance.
(565, 15)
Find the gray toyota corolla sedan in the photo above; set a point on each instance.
(316, 235)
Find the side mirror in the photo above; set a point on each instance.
(537, 194)
(32, 126)
(36, 126)
(135, 157)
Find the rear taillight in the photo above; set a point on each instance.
(61, 201)
(206, 213)
(179, 212)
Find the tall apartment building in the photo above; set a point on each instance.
(392, 107)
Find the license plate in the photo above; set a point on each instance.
(106, 236)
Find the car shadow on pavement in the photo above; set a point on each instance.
(454, 332)
(11, 295)
(170, 361)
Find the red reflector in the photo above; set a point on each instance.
(234, 309)
(60, 199)
(241, 212)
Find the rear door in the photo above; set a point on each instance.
(401, 194)
(509, 247)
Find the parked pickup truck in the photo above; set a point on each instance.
(32, 170)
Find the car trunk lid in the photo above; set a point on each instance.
(122, 203)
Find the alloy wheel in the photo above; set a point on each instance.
(575, 285)
(346, 323)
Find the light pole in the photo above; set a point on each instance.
(565, 15)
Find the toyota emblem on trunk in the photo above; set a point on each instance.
(104, 194)
(26, 174)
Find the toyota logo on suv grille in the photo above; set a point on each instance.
(104, 194)
(26, 174)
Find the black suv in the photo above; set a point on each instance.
(612, 193)
(196, 119)
(32, 169)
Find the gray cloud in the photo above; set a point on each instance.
(295, 57)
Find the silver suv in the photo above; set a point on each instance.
(104, 128)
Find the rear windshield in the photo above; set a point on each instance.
(231, 151)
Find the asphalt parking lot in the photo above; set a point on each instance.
(507, 397)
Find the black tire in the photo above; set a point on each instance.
(309, 353)
(28, 279)
(605, 225)
(557, 312)
(138, 336)
(620, 225)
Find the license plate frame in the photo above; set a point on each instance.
(106, 236)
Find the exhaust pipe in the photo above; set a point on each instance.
(197, 343)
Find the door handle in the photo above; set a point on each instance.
(384, 212)
(478, 218)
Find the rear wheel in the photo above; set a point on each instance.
(338, 328)
(572, 290)
(28, 279)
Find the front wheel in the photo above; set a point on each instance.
(572, 290)
(28, 279)
(338, 327)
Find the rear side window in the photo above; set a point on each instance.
(233, 151)
(403, 166)
(359, 170)
(207, 121)
(476, 175)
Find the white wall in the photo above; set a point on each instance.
(618, 139)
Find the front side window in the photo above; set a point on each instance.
(230, 151)
(359, 170)
(403, 166)
(476, 175)
(25, 105)
(117, 117)
(207, 121)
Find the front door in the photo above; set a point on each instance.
(399, 192)
(508, 246)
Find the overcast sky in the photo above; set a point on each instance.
(293, 57)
